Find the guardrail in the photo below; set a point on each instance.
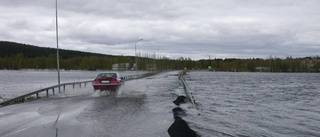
(186, 88)
(24, 97)
(138, 76)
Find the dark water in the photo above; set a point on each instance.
(256, 104)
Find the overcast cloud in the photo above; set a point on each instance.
(178, 28)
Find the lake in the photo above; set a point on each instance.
(255, 104)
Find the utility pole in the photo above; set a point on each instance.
(57, 37)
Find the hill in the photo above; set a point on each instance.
(8, 49)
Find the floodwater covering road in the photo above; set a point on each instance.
(140, 108)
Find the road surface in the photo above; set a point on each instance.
(141, 108)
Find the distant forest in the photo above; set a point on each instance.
(15, 56)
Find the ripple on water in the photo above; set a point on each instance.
(256, 104)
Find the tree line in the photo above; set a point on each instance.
(308, 64)
(15, 56)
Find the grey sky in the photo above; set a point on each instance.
(178, 28)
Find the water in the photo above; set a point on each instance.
(230, 104)
(14, 83)
(255, 104)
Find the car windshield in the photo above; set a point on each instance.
(107, 75)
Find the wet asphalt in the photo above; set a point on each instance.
(141, 108)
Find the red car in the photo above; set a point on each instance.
(108, 81)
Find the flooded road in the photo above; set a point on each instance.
(227, 105)
(141, 108)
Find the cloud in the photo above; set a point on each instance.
(188, 28)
